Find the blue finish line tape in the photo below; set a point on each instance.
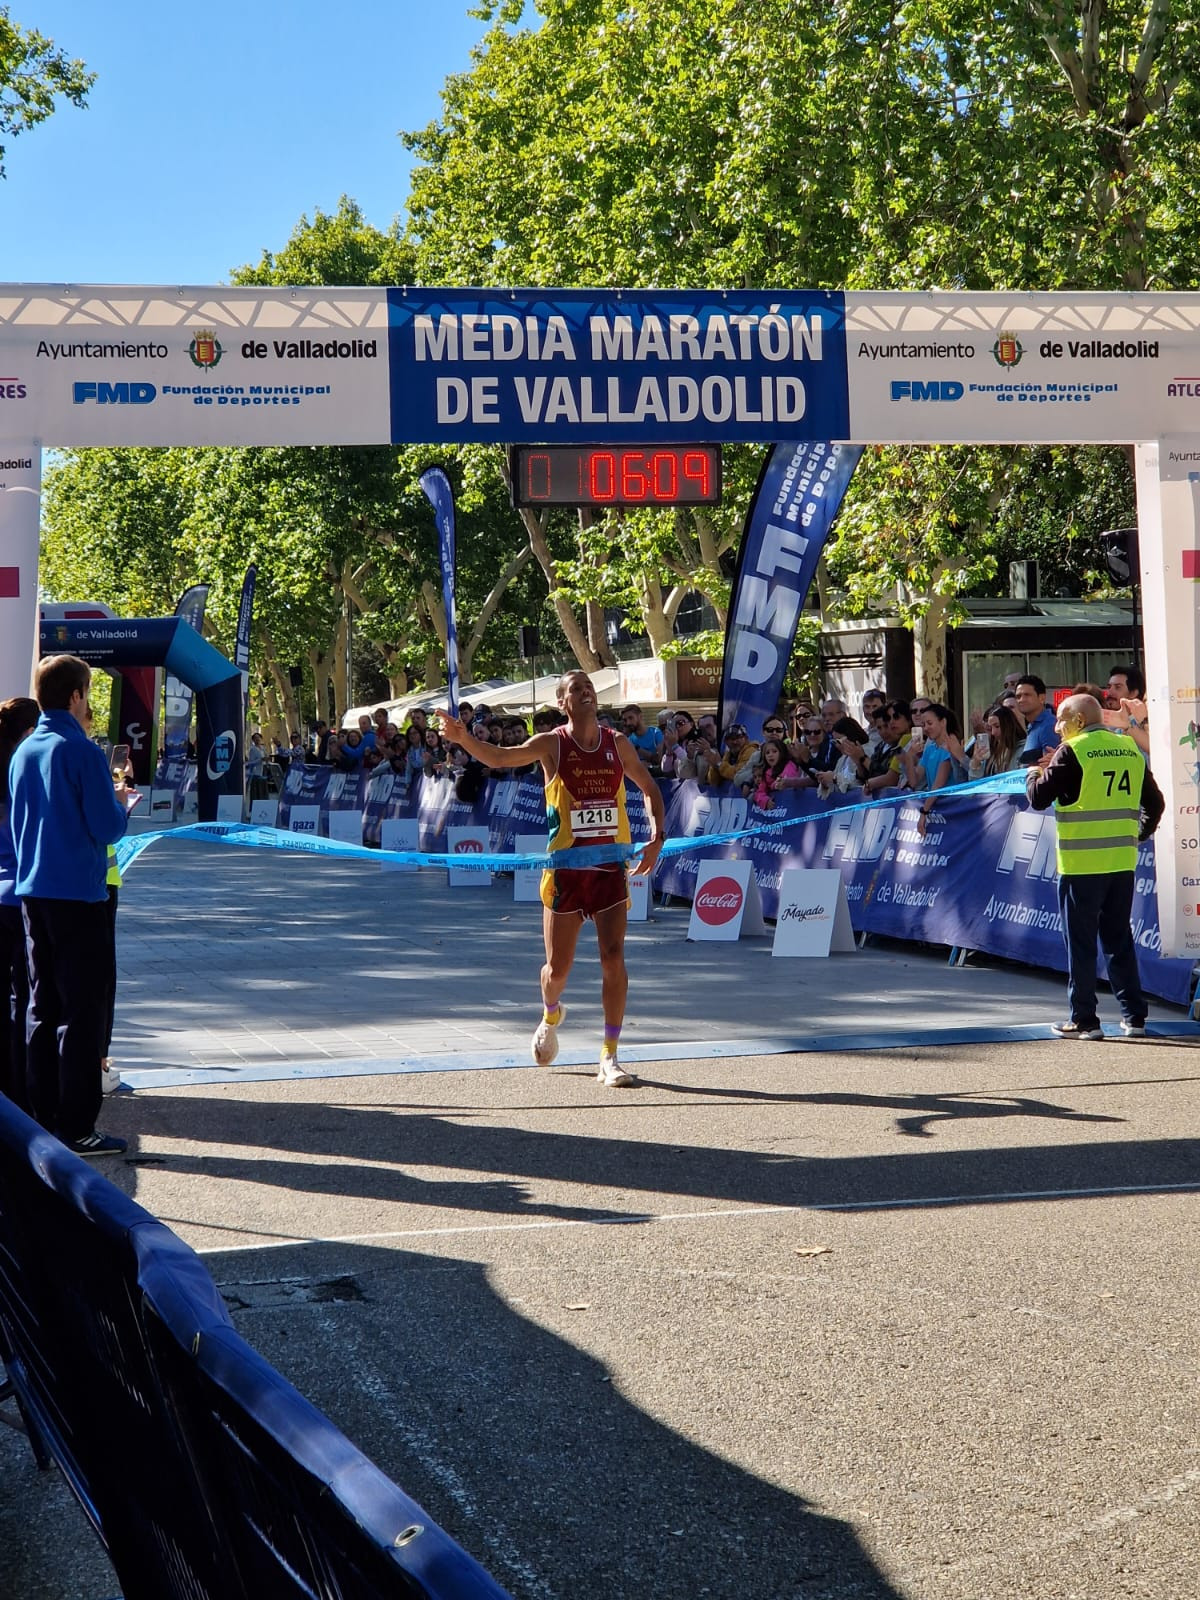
(258, 838)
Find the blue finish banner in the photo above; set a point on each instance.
(797, 498)
(609, 366)
(440, 494)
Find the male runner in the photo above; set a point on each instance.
(584, 766)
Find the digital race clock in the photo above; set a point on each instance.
(616, 475)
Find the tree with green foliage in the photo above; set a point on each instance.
(34, 76)
(781, 143)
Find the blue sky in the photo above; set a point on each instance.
(212, 129)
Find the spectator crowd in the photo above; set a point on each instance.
(913, 744)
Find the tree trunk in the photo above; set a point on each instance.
(535, 527)
(597, 636)
(284, 693)
(654, 614)
(929, 650)
(468, 646)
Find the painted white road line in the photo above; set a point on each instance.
(624, 1219)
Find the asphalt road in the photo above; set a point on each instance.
(916, 1322)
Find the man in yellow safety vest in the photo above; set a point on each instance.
(1105, 803)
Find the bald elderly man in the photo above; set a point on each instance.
(1105, 802)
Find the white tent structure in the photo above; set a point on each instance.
(520, 697)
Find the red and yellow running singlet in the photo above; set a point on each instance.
(585, 804)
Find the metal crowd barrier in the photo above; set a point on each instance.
(205, 1474)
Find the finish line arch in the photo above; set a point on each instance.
(84, 366)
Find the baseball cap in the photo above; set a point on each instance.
(735, 730)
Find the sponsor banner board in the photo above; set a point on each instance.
(639, 896)
(1168, 486)
(467, 842)
(398, 833)
(265, 813)
(527, 881)
(304, 819)
(20, 532)
(230, 807)
(983, 877)
(1021, 368)
(592, 366)
(302, 786)
(726, 902)
(257, 366)
(344, 825)
(223, 366)
(813, 916)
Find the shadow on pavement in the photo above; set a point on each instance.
(495, 1170)
(519, 1444)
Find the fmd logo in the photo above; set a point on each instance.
(114, 394)
(935, 389)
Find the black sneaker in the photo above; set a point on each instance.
(98, 1144)
(1075, 1030)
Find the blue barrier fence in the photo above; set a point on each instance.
(206, 1475)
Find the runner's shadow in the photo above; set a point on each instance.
(926, 1108)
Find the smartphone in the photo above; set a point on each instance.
(119, 761)
(983, 744)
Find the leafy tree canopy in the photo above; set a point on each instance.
(33, 76)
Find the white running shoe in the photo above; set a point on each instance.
(110, 1078)
(612, 1074)
(545, 1040)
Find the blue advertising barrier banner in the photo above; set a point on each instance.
(983, 877)
(440, 494)
(597, 367)
(794, 505)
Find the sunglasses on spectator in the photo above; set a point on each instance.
(813, 733)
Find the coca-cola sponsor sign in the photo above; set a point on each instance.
(726, 901)
(719, 901)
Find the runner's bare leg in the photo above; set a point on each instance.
(610, 936)
(560, 933)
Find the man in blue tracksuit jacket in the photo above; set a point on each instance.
(64, 814)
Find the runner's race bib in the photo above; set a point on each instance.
(595, 824)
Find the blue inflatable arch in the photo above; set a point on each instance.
(172, 643)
